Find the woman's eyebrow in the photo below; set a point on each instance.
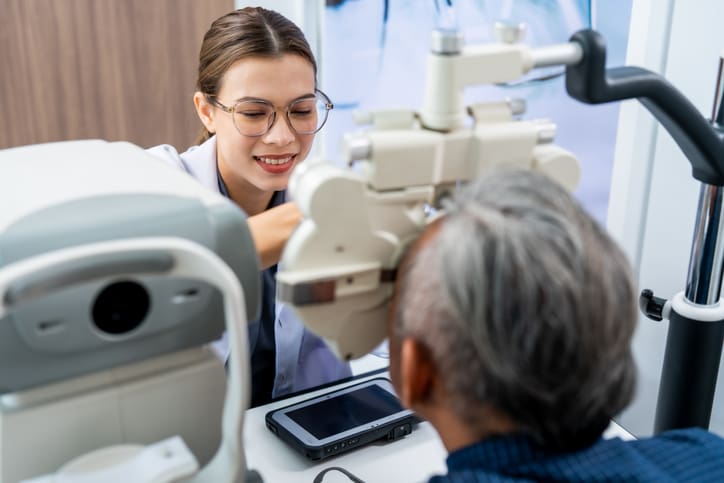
(267, 101)
(252, 99)
(305, 96)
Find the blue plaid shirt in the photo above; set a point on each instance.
(680, 455)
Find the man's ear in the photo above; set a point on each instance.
(417, 374)
(205, 110)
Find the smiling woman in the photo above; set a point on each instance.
(249, 142)
(258, 101)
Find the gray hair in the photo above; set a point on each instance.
(526, 305)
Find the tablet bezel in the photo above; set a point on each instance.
(280, 417)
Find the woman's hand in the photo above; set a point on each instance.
(271, 229)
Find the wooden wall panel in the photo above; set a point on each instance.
(108, 69)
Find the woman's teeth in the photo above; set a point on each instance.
(274, 161)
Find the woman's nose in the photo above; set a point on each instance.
(280, 132)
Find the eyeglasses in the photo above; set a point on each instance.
(255, 117)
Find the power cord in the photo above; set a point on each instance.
(320, 476)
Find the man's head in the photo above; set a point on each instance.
(515, 312)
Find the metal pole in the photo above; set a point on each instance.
(693, 346)
(703, 283)
(694, 342)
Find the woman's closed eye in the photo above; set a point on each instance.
(301, 112)
(256, 114)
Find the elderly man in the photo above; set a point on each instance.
(511, 334)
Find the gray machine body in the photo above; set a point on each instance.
(74, 329)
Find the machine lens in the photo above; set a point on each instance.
(121, 307)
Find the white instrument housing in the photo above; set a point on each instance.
(339, 266)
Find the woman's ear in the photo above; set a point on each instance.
(205, 110)
(417, 374)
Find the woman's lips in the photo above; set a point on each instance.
(276, 164)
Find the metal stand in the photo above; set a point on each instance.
(696, 317)
(696, 326)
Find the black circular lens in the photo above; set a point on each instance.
(121, 307)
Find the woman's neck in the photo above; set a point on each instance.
(252, 203)
(247, 196)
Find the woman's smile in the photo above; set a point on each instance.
(276, 164)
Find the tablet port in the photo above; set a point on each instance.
(399, 431)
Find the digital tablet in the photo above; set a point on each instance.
(343, 420)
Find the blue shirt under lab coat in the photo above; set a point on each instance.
(302, 359)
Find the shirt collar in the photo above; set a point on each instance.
(496, 452)
(220, 182)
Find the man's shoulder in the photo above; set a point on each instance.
(690, 454)
(696, 439)
(680, 455)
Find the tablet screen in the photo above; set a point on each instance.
(346, 411)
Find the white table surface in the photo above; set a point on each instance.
(414, 458)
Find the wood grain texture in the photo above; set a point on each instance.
(108, 69)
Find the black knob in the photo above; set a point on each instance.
(652, 307)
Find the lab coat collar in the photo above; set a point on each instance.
(200, 162)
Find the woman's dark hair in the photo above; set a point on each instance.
(247, 32)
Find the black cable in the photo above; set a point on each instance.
(320, 476)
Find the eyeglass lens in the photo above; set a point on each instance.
(306, 116)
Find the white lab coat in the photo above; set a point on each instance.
(303, 360)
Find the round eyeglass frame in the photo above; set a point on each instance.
(231, 109)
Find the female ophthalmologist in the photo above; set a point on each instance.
(257, 99)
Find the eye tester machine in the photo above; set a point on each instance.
(116, 272)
